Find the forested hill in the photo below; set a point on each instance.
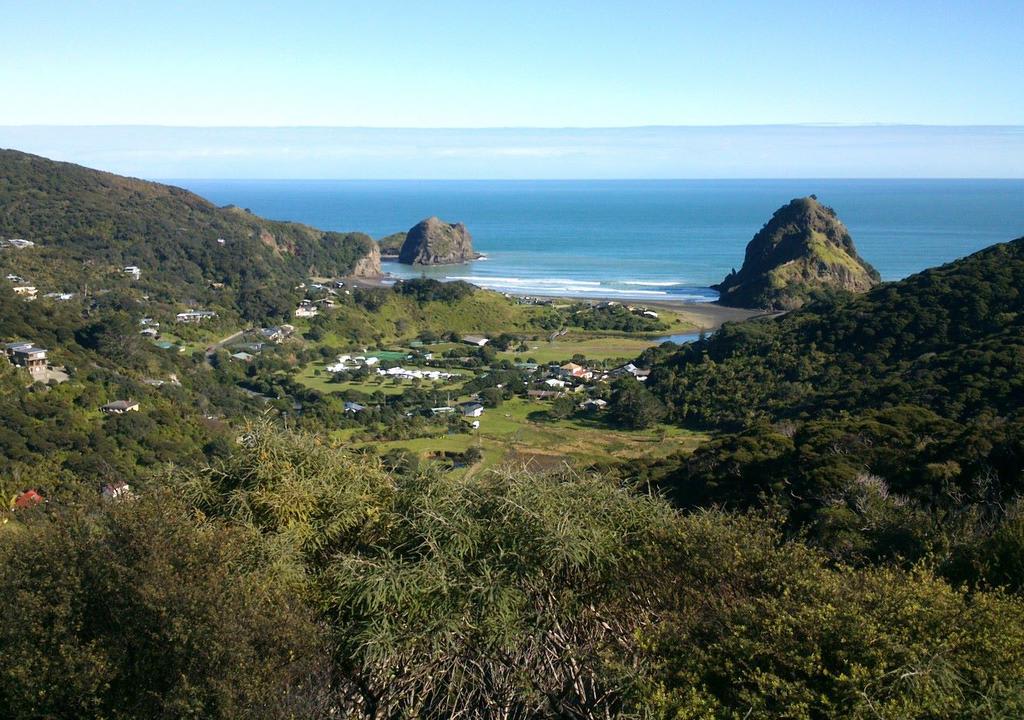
(88, 224)
(950, 339)
(882, 426)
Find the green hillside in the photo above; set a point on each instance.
(88, 225)
(884, 425)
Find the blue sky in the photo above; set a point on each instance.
(525, 64)
(447, 63)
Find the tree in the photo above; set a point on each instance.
(140, 612)
(634, 406)
(491, 397)
(562, 407)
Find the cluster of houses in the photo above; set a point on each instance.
(414, 374)
(27, 499)
(311, 308)
(350, 362)
(354, 362)
(27, 291)
(636, 310)
(555, 380)
(21, 287)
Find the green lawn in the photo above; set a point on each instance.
(593, 348)
(519, 431)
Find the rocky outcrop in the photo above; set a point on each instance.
(391, 245)
(435, 242)
(369, 264)
(803, 248)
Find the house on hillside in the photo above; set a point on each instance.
(28, 292)
(18, 243)
(134, 270)
(150, 332)
(277, 333)
(11, 277)
(594, 404)
(631, 369)
(120, 407)
(194, 316)
(116, 490)
(477, 340)
(572, 370)
(471, 409)
(29, 498)
(28, 356)
(243, 357)
(354, 407)
(441, 410)
(306, 311)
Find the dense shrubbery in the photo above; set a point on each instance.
(611, 317)
(430, 290)
(488, 597)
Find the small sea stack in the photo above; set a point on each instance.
(436, 242)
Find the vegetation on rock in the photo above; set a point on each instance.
(801, 251)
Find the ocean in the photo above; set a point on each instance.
(657, 239)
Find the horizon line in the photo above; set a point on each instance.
(654, 126)
(864, 178)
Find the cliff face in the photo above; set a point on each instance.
(369, 265)
(435, 242)
(803, 247)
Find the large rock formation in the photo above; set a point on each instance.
(435, 242)
(369, 265)
(804, 247)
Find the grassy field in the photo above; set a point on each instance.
(519, 431)
(593, 348)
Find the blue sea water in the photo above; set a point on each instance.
(658, 239)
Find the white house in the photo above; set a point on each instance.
(134, 270)
(119, 407)
(472, 409)
(194, 316)
(26, 291)
(306, 311)
(477, 340)
(116, 490)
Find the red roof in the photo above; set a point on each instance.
(27, 499)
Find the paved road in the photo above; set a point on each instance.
(221, 343)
